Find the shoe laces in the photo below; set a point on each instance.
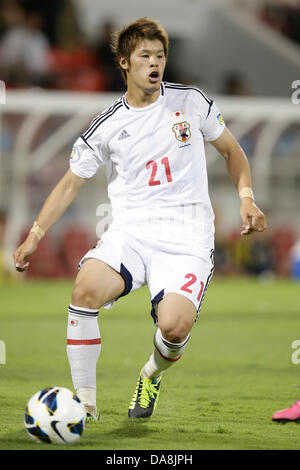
(148, 393)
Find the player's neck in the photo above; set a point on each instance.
(139, 98)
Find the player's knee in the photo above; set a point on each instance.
(175, 333)
(83, 296)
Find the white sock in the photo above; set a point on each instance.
(164, 355)
(83, 350)
(87, 395)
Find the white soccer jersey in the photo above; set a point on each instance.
(155, 162)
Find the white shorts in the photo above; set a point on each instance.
(164, 266)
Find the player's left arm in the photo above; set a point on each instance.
(239, 171)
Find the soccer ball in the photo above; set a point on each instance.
(55, 415)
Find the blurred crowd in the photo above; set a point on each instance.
(273, 253)
(264, 254)
(42, 45)
(281, 15)
(284, 17)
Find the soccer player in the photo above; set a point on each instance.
(151, 141)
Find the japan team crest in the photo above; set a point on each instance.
(182, 131)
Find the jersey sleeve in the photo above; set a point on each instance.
(86, 157)
(213, 124)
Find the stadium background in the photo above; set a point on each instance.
(245, 55)
(246, 58)
(66, 76)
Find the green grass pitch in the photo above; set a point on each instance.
(235, 372)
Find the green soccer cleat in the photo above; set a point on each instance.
(145, 397)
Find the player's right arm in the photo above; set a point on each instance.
(55, 205)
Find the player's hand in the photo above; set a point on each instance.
(252, 217)
(23, 251)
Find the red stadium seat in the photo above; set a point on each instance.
(75, 242)
(77, 70)
(282, 241)
(44, 262)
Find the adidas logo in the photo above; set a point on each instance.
(123, 135)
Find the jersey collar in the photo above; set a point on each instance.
(145, 108)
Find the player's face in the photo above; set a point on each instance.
(146, 67)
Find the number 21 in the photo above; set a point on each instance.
(153, 164)
(187, 285)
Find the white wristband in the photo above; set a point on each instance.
(37, 230)
(246, 192)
